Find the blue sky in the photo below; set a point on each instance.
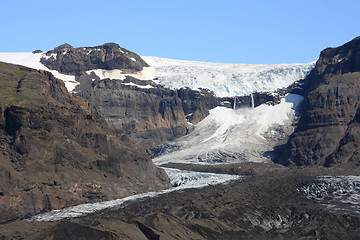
(233, 31)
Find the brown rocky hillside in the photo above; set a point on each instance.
(57, 151)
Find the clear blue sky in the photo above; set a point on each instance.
(234, 31)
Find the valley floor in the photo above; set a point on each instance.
(264, 205)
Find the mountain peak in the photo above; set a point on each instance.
(64, 46)
(110, 45)
(76, 61)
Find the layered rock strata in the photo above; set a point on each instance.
(328, 132)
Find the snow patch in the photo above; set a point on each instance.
(52, 55)
(137, 85)
(103, 74)
(133, 59)
(146, 74)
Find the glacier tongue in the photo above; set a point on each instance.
(225, 79)
(178, 178)
(187, 179)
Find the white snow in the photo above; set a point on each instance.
(228, 135)
(133, 59)
(137, 85)
(52, 55)
(112, 74)
(33, 61)
(179, 178)
(146, 74)
(225, 79)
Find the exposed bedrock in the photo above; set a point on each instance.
(328, 132)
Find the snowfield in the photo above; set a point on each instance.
(242, 135)
(225, 79)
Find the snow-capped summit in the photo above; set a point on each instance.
(224, 79)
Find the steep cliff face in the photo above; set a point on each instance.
(69, 60)
(57, 151)
(149, 113)
(329, 131)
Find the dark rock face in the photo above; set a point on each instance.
(328, 131)
(69, 60)
(151, 116)
(57, 151)
(37, 51)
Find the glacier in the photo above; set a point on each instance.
(224, 79)
(178, 178)
(231, 136)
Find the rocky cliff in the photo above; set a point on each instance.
(150, 115)
(69, 60)
(57, 151)
(328, 132)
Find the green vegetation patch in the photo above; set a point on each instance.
(8, 97)
(10, 75)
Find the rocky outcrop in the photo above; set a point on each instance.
(76, 61)
(328, 132)
(57, 151)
